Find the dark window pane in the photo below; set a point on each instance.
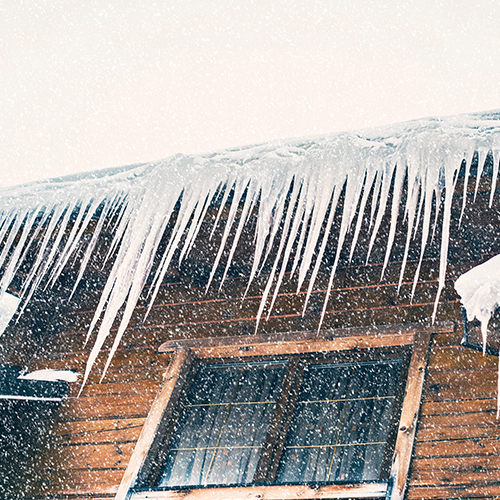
(357, 463)
(340, 423)
(233, 466)
(305, 465)
(325, 382)
(223, 424)
(213, 384)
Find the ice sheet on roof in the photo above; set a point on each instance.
(307, 174)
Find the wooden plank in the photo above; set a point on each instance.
(460, 419)
(409, 415)
(128, 388)
(478, 406)
(164, 402)
(449, 492)
(105, 407)
(449, 386)
(322, 335)
(443, 340)
(433, 433)
(435, 477)
(458, 447)
(79, 482)
(379, 297)
(374, 490)
(97, 431)
(87, 456)
(460, 358)
(305, 346)
(458, 464)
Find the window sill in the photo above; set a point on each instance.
(302, 492)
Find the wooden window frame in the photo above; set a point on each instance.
(184, 352)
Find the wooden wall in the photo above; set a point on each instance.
(457, 453)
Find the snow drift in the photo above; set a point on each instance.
(308, 174)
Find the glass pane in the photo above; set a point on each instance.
(223, 424)
(340, 423)
(357, 463)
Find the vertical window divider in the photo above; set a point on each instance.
(409, 416)
(163, 406)
(273, 434)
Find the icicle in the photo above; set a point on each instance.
(293, 187)
(369, 181)
(468, 161)
(289, 231)
(496, 159)
(482, 153)
(396, 198)
(386, 179)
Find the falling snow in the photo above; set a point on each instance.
(309, 174)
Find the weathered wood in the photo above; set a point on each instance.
(409, 415)
(322, 335)
(443, 432)
(165, 400)
(87, 456)
(113, 406)
(460, 358)
(373, 490)
(458, 447)
(450, 492)
(459, 407)
(98, 431)
(444, 340)
(76, 483)
(305, 346)
(455, 465)
(449, 386)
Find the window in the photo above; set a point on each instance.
(308, 417)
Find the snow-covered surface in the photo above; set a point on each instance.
(311, 173)
(479, 290)
(8, 306)
(51, 375)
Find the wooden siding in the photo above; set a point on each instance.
(457, 451)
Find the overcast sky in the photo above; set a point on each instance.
(88, 85)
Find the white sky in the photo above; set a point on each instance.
(86, 85)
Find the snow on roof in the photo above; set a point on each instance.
(310, 173)
(479, 290)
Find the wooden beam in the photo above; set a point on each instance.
(165, 400)
(305, 346)
(409, 416)
(300, 492)
(336, 334)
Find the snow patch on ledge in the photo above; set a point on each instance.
(479, 290)
(306, 174)
(51, 375)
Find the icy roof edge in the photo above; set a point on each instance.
(308, 173)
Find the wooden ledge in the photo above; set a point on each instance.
(301, 492)
(334, 339)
